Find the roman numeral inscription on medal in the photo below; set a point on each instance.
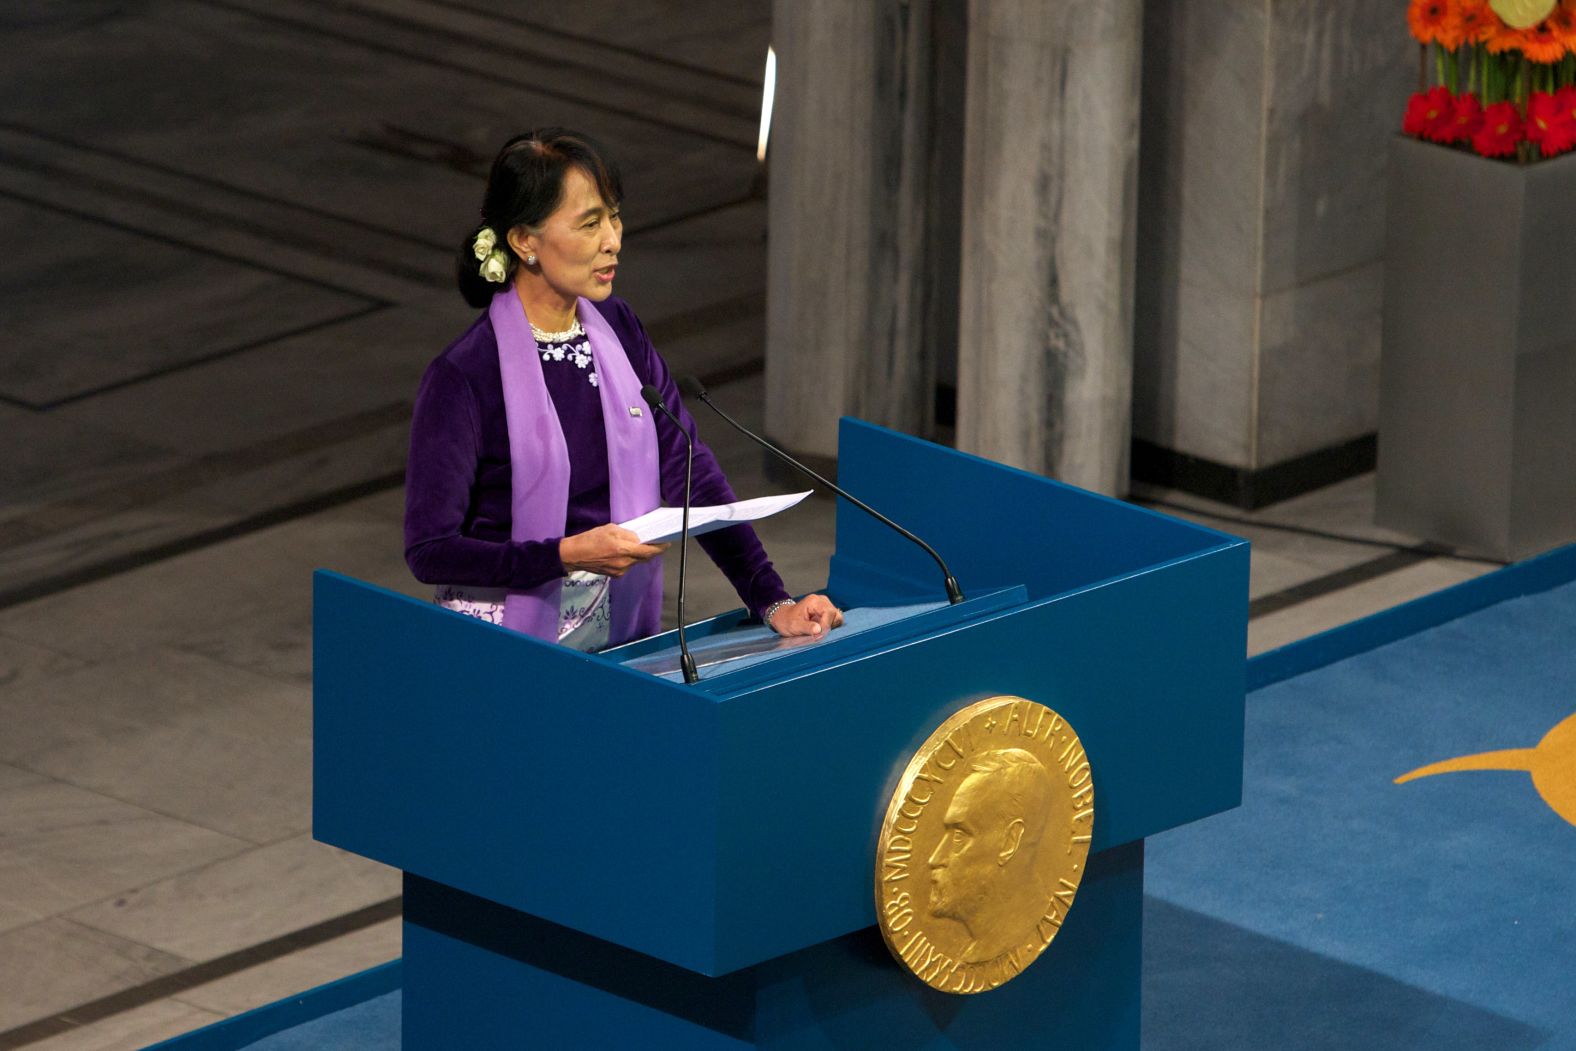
(898, 848)
(978, 977)
(926, 960)
(895, 861)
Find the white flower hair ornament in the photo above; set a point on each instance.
(495, 268)
(485, 242)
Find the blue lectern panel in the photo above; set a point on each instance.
(995, 526)
(543, 778)
(555, 782)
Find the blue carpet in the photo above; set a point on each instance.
(1338, 909)
(372, 1025)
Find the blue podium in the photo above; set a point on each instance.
(600, 857)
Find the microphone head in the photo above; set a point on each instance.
(652, 395)
(691, 387)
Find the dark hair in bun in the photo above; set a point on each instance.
(523, 188)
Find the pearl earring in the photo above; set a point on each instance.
(530, 260)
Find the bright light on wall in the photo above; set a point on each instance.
(766, 104)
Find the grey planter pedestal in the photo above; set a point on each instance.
(1477, 408)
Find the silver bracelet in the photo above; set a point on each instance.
(766, 618)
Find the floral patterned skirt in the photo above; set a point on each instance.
(584, 619)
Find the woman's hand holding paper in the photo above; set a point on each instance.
(608, 550)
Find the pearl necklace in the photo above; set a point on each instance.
(558, 337)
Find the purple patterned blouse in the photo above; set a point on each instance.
(457, 483)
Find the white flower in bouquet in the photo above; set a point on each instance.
(1523, 14)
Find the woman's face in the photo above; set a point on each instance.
(577, 246)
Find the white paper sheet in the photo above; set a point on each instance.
(664, 524)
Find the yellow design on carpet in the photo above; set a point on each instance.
(1552, 765)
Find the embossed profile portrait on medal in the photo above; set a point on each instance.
(984, 844)
(983, 872)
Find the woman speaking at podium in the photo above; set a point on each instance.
(530, 438)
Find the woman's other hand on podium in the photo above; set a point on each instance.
(608, 550)
(811, 615)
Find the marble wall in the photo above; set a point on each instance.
(953, 190)
(852, 271)
(1261, 223)
(1049, 196)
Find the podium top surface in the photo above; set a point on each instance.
(731, 645)
(735, 655)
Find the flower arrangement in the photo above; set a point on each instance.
(1497, 76)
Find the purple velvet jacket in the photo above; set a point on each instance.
(457, 484)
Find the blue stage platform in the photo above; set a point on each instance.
(1335, 904)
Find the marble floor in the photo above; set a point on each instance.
(220, 289)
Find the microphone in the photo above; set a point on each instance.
(692, 388)
(654, 399)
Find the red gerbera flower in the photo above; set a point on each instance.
(1430, 115)
(1565, 98)
(1466, 116)
(1561, 140)
(1549, 124)
(1542, 114)
(1499, 132)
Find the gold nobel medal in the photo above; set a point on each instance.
(984, 844)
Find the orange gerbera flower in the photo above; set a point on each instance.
(1473, 21)
(1503, 38)
(1563, 22)
(1431, 22)
(1542, 44)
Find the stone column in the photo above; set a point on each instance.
(852, 260)
(1266, 129)
(1049, 197)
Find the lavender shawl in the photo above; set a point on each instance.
(539, 466)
